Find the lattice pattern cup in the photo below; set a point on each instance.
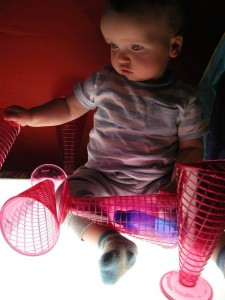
(201, 222)
(48, 171)
(8, 134)
(29, 221)
(149, 217)
(69, 137)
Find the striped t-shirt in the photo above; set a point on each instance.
(137, 125)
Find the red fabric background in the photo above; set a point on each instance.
(48, 45)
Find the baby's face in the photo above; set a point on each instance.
(140, 50)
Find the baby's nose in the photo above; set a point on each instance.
(123, 57)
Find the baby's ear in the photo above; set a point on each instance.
(176, 44)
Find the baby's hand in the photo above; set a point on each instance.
(18, 114)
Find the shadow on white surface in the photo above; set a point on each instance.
(70, 270)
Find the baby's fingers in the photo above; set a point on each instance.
(11, 117)
(16, 114)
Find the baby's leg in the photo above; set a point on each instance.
(219, 254)
(119, 253)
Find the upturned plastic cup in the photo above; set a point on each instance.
(201, 222)
(48, 171)
(29, 220)
(8, 133)
(69, 137)
(148, 217)
(63, 201)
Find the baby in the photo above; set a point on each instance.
(146, 121)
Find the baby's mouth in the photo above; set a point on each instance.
(125, 71)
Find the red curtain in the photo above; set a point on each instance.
(46, 46)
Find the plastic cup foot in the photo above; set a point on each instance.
(173, 289)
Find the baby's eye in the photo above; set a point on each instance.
(113, 46)
(136, 47)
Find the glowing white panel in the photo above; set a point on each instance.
(70, 270)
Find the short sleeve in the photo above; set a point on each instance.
(85, 91)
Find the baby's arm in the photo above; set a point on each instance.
(54, 112)
(190, 151)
